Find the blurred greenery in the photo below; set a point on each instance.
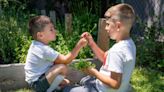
(15, 41)
(150, 48)
(82, 64)
(147, 80)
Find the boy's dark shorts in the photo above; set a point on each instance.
(41, 85)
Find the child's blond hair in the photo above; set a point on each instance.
(124, 12)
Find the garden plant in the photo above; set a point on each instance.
(82, 64)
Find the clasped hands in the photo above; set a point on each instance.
(87, 36)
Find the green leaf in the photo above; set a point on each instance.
(82, 65)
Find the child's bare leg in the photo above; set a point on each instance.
(55, 76)
(56, 70)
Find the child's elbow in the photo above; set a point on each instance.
(116, 85)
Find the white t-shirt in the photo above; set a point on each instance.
(120, 59)
(40, 59)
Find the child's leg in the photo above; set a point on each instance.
(55, 83)
(56, 70)
(64, 83)
(55, 76)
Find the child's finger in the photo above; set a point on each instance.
(85, 34)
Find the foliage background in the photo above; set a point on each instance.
(15, 40)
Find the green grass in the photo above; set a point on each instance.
(147, 80)
(22, 90)
(143, 80)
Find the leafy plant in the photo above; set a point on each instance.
(150, 50)
(14, 41)
(80, 65)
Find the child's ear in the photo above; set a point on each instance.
(118, 25)
(39, 35)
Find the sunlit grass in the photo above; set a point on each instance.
(22, 90)
(147, 80)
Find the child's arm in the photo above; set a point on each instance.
(65, 59)
(97, 51)
(114, 81)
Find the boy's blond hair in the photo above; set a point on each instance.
(123, 12)
(37, 24)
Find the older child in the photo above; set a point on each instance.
(119, 60)
(41, 73)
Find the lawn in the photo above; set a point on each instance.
(147, 80)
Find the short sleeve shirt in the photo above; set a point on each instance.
(120, 59)
(40, 59)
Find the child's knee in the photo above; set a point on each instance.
(62, 69)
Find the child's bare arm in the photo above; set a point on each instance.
(65, 59)
(97, 51)
(114, 81)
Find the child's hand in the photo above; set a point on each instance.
(82, 42)
(88, 37)
(89, 71)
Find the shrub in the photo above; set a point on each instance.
(13, 37)
(150, 50)
(15, 41)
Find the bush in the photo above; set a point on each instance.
(13, 37)
(150, 50)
